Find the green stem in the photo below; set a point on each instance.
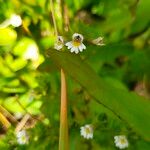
(63, 132)
(63, 137)
(53, 17)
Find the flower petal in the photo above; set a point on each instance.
(80, 48)
(84, 47)
(68, 43)
(76, 50)
(72, 49)
(77, 35)
(70, 46)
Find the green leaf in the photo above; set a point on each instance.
(132, 108)
(23, 45)
(142, 19)
(7, 36)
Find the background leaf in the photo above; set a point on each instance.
(123, 103)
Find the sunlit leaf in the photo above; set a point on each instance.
(7, 36)
(130, 107)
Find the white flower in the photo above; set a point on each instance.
(15, 20)
(22, 137)
(59, 43)
(18, 115)
(98, 41)
(76, 44)
(121, 141)
(87, 131)
(31, 52)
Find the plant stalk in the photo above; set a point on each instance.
(4, 121)
(63, 137)
(63, 131)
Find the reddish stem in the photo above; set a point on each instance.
(63, 137)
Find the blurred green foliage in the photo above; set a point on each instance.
(32, 84)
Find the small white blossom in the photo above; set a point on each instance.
(18, 115)
(22, 137)
(99, 41)
(87, 131)
(59, 43)
(121, 141)
(76, 44)
(15, 20)
(31, 52)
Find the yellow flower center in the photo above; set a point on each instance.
(122, 141)
(87, 130)
(76, 43)
(23, 138)
(59, 43)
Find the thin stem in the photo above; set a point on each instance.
(4, 121)
(26, 29)
(66, 18)
(22, 123)
(25, 110)
(63, 137)
(8, 114)
(53, 17)
(5, 24)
